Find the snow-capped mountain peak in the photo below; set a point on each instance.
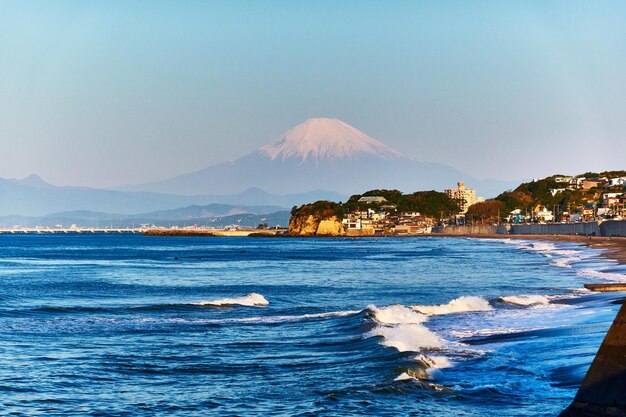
(325, 139)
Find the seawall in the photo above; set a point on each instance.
(608, 228)
(478, 229)
(586, 228)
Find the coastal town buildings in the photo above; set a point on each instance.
(617, 182)
(593, 183)
(385, 221)
(372, 199)
(611, 199)
(465, 196)
(542, 214)
(566, 199)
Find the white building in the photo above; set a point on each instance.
(466, 196)
(372, 199)
(617, 181)
(555, 191)
(543, 214)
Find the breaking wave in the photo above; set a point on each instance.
(402, 329)
(430, 369)
(526, 300)
(608, 276)
(561, 257)
(407, 337)
(249, 300)
(458, 305)
(397, 314)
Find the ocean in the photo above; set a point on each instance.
(129, 325)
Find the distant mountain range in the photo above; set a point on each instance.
(323, 154)
(215, 215)
(34, 197)
(297, 168)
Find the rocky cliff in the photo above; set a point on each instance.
(317, 219)
(313, 226)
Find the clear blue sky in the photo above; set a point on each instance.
(105, 93)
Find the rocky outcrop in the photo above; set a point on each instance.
(322, 218)
(314, 226)
(330, 227)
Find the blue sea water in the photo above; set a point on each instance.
(129, 325)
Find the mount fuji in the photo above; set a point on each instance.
(321, 154)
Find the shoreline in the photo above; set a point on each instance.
(614, 247)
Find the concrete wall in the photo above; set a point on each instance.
(613, 228)
(587, 228)
(606, 228)
(478, 229)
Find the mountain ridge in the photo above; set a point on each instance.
(341, 159)
(215, 215)
(39, 198)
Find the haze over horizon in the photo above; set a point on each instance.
(105, 94)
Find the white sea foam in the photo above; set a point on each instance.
(565, 262)
(540, 246)
(458, 305)
(526, 300)
(402, 329)
(250, 300)
(407, 337)
(434, 364)
(397, 314)
(403, 377)
(609, 276)
(439, 362)
(561, 257)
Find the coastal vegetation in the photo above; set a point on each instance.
(488, 211)
(429, 203)
(325, 217)
(385, 211)
(560, 193)
(319, 209)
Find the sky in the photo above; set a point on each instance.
(104, 93)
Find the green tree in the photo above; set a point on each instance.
(488, 211)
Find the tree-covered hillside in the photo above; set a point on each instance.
(564, 197)
(429, 203)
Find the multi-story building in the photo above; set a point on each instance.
(466, 196)
(593, 182)
(611, 199)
